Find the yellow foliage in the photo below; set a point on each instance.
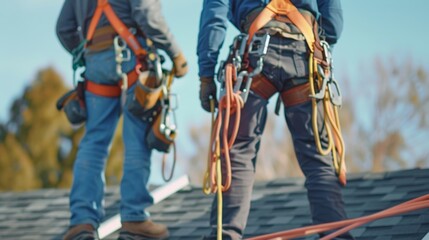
(31, 155)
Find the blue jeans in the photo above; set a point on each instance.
(86, 197)
(286, 66)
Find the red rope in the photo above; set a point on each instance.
(349, 224)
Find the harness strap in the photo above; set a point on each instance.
(121, 29)
(110, 90)
(296, 95)
(103, 6)
(262, 86)
(283, 7)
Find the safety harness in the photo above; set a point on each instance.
(238, 79)
(321, 79)
(153, 93)
(127, 80)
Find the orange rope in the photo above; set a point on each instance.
(231, 103)
(346, 225)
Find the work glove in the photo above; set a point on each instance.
(207, 92)
(180, 66)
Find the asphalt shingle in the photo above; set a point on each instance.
(277, 205)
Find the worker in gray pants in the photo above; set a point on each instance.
(285, 68)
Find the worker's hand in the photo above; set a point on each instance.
(180, 65)
(207, 92)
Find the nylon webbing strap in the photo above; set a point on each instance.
(123, 31)
(103, 6)
(110, 90)
(283, 7)
(95, 19)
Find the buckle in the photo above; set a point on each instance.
(259, 45)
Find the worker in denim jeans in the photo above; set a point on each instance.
(86, 197)
(285, 66)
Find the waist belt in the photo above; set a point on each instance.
(110, 90)
(294, 96)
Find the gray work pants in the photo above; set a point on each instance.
(285, 65)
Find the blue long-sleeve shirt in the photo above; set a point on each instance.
(75, 17)
(216, 14)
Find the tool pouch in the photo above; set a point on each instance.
(144, 102)
(147, 103)
(73, 104)
(157, 137)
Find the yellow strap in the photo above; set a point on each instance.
(331, 122)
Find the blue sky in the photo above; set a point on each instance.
(372, 28)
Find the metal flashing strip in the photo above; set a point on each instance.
(114, 223)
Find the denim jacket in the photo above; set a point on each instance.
(75, 16)
(216, 14)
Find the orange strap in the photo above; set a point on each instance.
(110, 90)
(283, 7)
(103, 6)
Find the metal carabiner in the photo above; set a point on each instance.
(155, 63)
(120, 47)
(334, 89)
(336, 98)
(78, 62)
(166, 127)
(221, 72)
(122, 53)
(325, 81)
(259, 45)
(326, 52)
(239, 48)
(124, 88)
(239, 81)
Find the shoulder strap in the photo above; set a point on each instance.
(283, 7)
(103, 6)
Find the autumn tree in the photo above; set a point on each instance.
(388, 127)
(37, 144)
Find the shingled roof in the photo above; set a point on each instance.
(277, 205)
